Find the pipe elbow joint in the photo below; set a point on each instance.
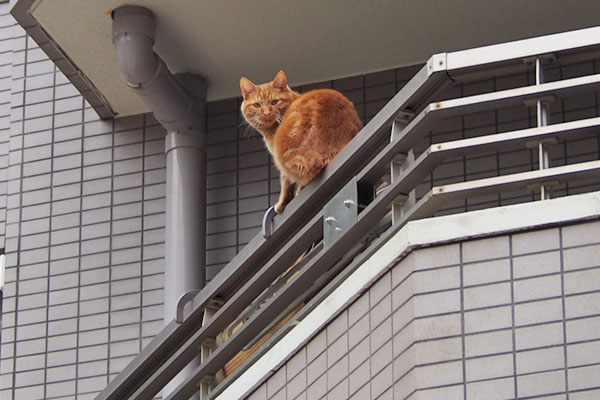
(133, 39)
(146, 73)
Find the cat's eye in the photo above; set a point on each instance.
(274, 102)
(256, 105)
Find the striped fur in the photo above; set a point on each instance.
(303, 132)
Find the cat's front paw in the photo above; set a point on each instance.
(279, 207)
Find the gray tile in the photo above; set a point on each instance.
(95, 384)
(539, 336)
(381, 311)
(540, 360)
(358, 331)
(582, 257)
(382, 382)
(90, 353)
(381, 334)
(581, 234)
(583, 378)
(492, 389)
(30, 347)
(582, 281)
(276, 382)
(62, 192)
(438, 256)
(582, 305)
(488, 296)
(538, 264)
(259, 394)
(125, 302)
(540, 384)
(296, 364)
(485, 249)
(125, 348)
(336, 350)
(33, 331)
(297, 385)
(93, 337)
(381, 358)
(488, 319)
(437, 303)
(450, 392)
(63, 311)
(72, 176)
(125, 317)
(63, 357)
(317, 389)
(362, 392)
(68, 118)
(581, 354)
(537, 288)
(488, 343)
(62, 327)
(30, 392)
(316, 369)
(61, 373)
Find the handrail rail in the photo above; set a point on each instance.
(262, 261)
(346, 164)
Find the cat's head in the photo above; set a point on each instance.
(264, 105)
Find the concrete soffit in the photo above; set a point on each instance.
(313, 41)
(21, 13)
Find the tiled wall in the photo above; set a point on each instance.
(514, 316)
(6, 53)
(84, 232)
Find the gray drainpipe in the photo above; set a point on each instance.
(182, 115)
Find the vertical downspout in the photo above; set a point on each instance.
(182, 115)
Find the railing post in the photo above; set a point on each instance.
(543, 119)
(398, 165)
(207, 347)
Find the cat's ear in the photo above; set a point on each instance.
(247, 87)
(280, 81)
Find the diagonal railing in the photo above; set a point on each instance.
(411, 113)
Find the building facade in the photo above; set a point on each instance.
(82, 210)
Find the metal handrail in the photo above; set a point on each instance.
(262, 261)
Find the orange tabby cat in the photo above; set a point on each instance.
(303, 132)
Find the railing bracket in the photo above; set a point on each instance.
(206, 385)
(340, 213)
(181, 302)
(547, 59)
(535, 143)
(267, 222)
(532, 101)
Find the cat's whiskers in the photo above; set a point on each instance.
(249, 131)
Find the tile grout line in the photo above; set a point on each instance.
(141, 241)
(79, 258)
(110, 253)
(512, 315)
(50, 207)
(17, 250)
(462, 320)
(564, 316)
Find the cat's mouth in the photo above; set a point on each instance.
(269, 122)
